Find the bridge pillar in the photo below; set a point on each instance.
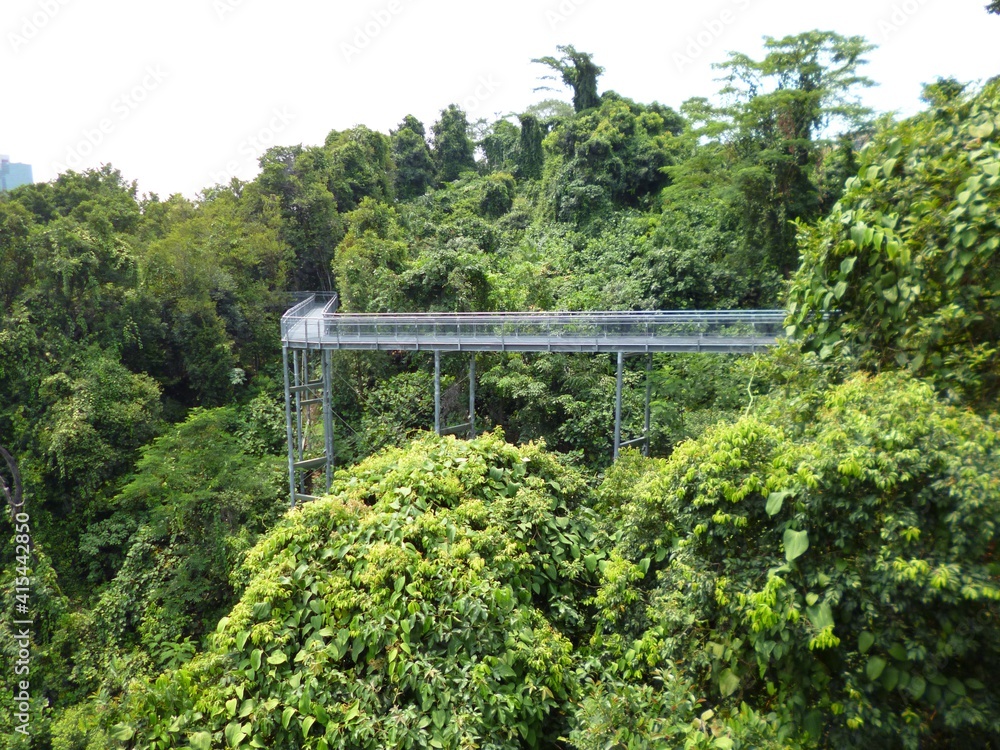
(328, 415)
(288, 426)
(649, 394)
(437, 391)
(618, 405)
(472, 396)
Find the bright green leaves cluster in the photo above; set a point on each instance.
(431, 601)
(903, 271)
(837, 574)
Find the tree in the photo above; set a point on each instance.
(903, 272)
(994, 7)
(453, 149)
(830, 559)
(578, 71)
(414, 164)
(530, 155)
(782, 105)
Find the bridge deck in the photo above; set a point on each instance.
(315, 324)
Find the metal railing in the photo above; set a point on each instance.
(315, 322)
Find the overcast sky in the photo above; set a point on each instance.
(182, 94)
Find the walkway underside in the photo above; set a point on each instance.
(313, 329)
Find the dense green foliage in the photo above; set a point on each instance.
(808, 560)
(904, 268)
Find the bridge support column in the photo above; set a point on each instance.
(618, 405)
(437, 392)
(649, 394)
(472, 396)
(328, 415)
(288, 427)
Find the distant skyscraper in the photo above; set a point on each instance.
(13, 175)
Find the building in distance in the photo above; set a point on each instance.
(13, 175)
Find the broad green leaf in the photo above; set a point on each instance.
(865, 641)
(888, 166)
(234, 734)
(821, 616)
(255, 659)
(775, 501)
(241, 639)
(728, 682)
(307, 722)
(796, 543)
(201, 741)
(286, 716)
(840, 289)
(874, 667)
(917, 687)
(847, 265)
(122, 732)
(981, 130)
(278, 657)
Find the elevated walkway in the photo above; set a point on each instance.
(313, 329)
(315, 324)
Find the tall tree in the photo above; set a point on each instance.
(453, 149)
(781, 108)
(578, 71)
(530, 156)
(414, 164)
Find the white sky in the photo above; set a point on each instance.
(181, 94)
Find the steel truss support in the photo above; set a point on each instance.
(469, 428)
(437, 392)
(647, 414)
(301, 393)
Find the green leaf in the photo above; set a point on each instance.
(307, 722)
(728, 682)
(796, 543)
(255, 659)
(241, 639)
(865, 641)
(847, 265)
(234, 734)
(897, 652)
(874, 668)
(981, 130)
(278, 657)
(724, 743)
(858, 235)
(591, 562)
(917, 687)
(286, 716)
(969, 236)
(840, 289)
(821, 616)
(888, 166)
(122, 732)
(201, 741)
(231, 706)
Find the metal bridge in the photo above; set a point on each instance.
(314, 327)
